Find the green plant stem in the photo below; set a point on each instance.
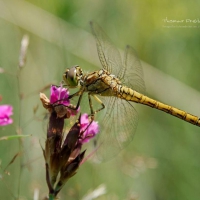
(52, 197)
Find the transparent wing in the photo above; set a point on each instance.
(130, 71)
(109, 55)
(118, 123)
(132, 75)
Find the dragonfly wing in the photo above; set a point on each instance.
(118, 122)
(109, 55)
(132, 73)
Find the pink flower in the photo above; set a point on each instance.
(88, 132)
(5, 113)
(60, 96)
(62, 155)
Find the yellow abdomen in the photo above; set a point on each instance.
(131, 95)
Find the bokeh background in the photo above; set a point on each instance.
(163, 160)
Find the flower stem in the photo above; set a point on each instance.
(52, 197)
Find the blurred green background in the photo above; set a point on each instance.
(163, 160)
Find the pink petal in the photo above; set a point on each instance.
(4, 122)
(59, 93)
(91, 131)
(5, 112)
(74, 112)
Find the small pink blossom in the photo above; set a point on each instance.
(88, 131)
(60, 96)
(5, 113)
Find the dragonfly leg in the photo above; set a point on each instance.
(70, 96)
(75, 94)
(72, 107)
(80, 94)
(93, 112)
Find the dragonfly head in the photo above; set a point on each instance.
(72, 76)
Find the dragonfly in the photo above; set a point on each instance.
(115, 87)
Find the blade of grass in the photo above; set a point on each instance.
(11, 137)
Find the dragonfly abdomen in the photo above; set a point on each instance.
(131, 95)
(124, 92)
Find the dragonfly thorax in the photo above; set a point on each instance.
(101, 83)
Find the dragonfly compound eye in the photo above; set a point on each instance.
(70, 77)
